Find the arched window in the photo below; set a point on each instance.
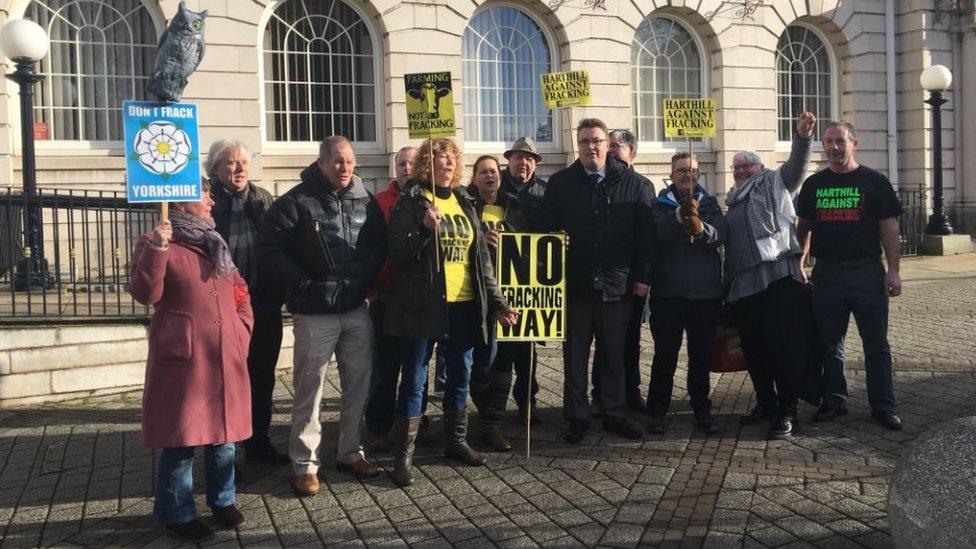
(102, 52)
(665, 63)
(503, 53)
(803, 80)
(319, 73)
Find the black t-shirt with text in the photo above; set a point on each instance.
(843, 210)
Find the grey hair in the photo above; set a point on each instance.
(750, 155)
(626, 136)
(217, 151)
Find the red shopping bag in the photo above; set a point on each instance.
(727, 350)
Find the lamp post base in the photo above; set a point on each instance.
(938, 225)
(32, 273)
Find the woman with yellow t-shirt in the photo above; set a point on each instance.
(489, 386)
(444, 289)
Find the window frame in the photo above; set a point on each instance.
(705, 144)
(56, 147)
(379, 94)
(472, 146)
(781, 145)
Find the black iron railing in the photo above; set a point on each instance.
(88, 238)
(912, 222)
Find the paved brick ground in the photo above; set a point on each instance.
(75, 474)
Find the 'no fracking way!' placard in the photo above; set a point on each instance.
(162, 152)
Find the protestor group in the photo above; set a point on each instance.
(380, 281)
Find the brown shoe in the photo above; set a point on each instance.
(304, 485)
(360, 468)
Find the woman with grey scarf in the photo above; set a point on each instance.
(197, 391)
(765, 279)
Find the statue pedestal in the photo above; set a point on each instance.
(932, 497)
(947, 245)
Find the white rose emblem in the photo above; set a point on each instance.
(162, 148)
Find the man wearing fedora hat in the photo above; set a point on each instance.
(523, 192)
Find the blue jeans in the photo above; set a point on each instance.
(386, 372)
(464, 329)
(843, 288)
(173, 503)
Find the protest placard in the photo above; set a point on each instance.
(430, 105)
(689, 118)
(531, 271)
(565, 89)
(162, 152)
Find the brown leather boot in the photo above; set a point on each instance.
(304, 485)
(403, 434)
(493, 411)
(456, 438)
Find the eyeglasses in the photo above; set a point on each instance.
(741, 167)
(686, 171)
(591, 142)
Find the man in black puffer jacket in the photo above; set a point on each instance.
(331, 226)
(606, 211)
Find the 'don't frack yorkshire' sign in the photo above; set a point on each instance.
(689, 117)
(430, 105)
(531, 271)
(162, 152)
(565, 89)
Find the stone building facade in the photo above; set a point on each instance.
(282, 74)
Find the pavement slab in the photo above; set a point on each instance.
(74, 474)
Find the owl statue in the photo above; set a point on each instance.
(180, 52)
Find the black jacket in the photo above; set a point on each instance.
(351, 227)
(417, 300)
(609, 225)
(682, 268)
(523, 207)
(267, 296)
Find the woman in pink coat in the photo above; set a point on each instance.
(197, 391)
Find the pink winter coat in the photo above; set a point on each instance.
(197, 389)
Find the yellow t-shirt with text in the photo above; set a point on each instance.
(493, 217)
(456, 237)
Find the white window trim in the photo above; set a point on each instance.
(816, 146)
(291, 148)
(705, 145)
(58, 147)
(494, 147)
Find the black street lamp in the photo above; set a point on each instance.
(25, 43)
(935, 80)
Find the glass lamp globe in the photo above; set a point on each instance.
(23, 40)
(936, 78)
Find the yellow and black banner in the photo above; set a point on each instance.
(689, 117)
(430, 105)
(565, 89)
(531, 272)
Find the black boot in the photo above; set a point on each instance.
(704, 422)
(493, 411)
(784, 426)
(762, 412)
(403, 435)
(658, 422)
(456, 438)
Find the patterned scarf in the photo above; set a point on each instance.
(240, 238)
(193, 230)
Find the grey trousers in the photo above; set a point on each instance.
(607, 321)
(350, 336)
